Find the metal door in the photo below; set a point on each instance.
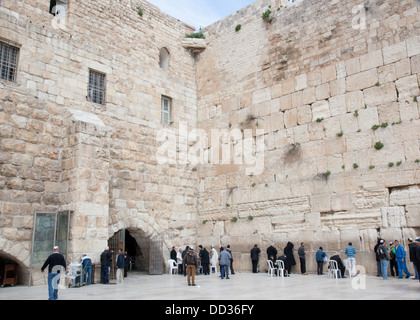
(115, 243)
(156, 256)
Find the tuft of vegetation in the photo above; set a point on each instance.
(234, 219)
(340, 134)
(238, 27)
(196, 35)
(266, 15)
(355, 166)
(319, 120)
(139, 11)
(379, 145)
(250, 218)
(371, 167)
(391, 164)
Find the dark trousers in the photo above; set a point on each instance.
(393, 266)
(231, 268)
(320, 267)
(206, 268)
(302, 265)
(105, 274)
(254, 266)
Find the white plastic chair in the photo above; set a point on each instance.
(333, 269)
(280, 270)
(271, 269)
(172, 266)
(213, 266)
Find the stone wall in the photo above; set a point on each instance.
(63, 152)
(309, 84)
(316, 79)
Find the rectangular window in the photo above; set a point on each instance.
(8, 61)
(166, 110)
(96, 90)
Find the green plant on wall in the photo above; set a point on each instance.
(196, 35)
(266, 15)
(140, 11)
(238, 27)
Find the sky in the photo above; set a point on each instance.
(200, 13)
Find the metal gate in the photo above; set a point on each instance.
(156, 256)
(115, 243)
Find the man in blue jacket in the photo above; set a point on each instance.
(400, 256)
(351, 256)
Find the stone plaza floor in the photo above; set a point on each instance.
(241, 286)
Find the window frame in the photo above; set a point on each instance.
(164, 112)
(96, 93)
(10, 66)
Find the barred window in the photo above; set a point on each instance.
(96, 90)
(166, 110)
(8, 61)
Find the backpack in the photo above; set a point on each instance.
(381, 253)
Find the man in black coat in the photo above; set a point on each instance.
(340, 265)
(417, 258)
(255, 256)
(290, 259)
(272, 252)
(205, 260)
(106, 257)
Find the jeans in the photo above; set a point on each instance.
(384, 269)
(225, 271)
(87, 271)
(416, 271)
(402, 266)
(53, 281)
(320, 267)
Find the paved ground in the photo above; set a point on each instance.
(241, 286)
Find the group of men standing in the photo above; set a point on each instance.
(56, 264)
(395, 256)
(188, 261)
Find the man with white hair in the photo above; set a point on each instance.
(55, 263)
(87, 268)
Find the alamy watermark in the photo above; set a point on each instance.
(193, 146)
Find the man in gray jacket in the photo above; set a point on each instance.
(225, 260)
(384, 258)
(302, 259)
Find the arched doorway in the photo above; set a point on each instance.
(146, 253)
(11, 271)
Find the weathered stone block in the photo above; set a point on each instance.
(394, 52)
(362, 80)
(380, 95)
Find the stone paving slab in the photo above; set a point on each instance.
(241, 286)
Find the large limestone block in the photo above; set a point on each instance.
(371, 60)
(393, 217)
(413, 216)
(408, 88)
(320, 109)
(362, 80)
(413, 46)
(380, 95)
(394, 52)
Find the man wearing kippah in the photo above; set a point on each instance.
(55, 263)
